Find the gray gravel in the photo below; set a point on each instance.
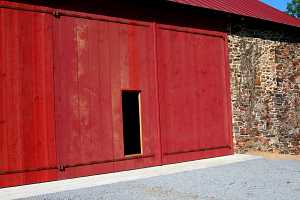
(258, 179)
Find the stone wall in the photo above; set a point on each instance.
(265, 86)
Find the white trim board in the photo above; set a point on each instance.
(104, 179)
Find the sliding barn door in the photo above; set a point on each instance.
(96, 63)
(193, 94)
(27, 140)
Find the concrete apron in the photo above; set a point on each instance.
(104, 179)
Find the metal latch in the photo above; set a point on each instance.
(56, 13)
(61, 168)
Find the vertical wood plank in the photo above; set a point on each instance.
(193, 94)
(28, 132)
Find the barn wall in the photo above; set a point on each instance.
(62, 74)
(265, 84)
(27, 140)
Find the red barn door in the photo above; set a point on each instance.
(27, 140)
(193, 94)
(65, 80)
(95, 61)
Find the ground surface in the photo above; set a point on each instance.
(274, 156)
(258, 179)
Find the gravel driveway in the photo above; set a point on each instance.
(257, 179)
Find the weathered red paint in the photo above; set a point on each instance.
(95, 61)
(27, 142)
(193, 94)
(61, 83)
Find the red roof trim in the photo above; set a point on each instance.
(249, 8)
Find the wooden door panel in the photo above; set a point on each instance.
(194, 108)
(27, 140)
(83, 96)
(95, 61)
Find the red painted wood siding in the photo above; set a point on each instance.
(95, 61)
(27, 141)
(193, 97)
(61, 80)
(82, 94)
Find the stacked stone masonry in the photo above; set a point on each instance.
(265, 86)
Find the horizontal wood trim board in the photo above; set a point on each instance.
(45, 11)
(58, 13)
(108, 161)
(195, 150)
(27, 170)
(75, 165)
(195, 32)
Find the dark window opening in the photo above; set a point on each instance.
(131, 122)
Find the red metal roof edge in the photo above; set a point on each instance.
(248, 8)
